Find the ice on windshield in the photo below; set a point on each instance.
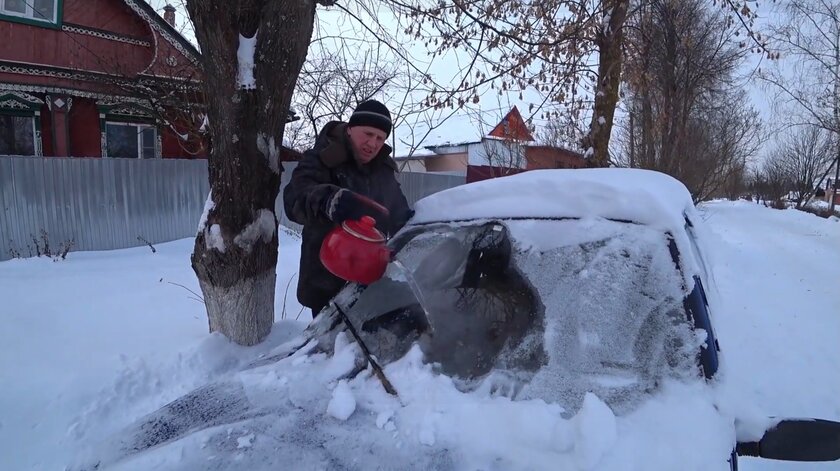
(615, 321)
(457, 294)
(561, 306)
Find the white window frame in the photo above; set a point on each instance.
(30, 11)
(140, 127)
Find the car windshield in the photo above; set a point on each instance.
(554, 307)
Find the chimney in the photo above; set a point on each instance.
(169, 14)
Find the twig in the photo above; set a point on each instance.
(198, 297)
(389, 388)
(147, 243)
(299, 313)
(285, 295)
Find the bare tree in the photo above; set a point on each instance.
(252, 53)
(330, 86)
(770, 182)
(563, 132)
(807, 81)
(804, 156)
(569, 52)
(686, 115)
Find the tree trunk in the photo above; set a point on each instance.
(597, 142)
(235, 254)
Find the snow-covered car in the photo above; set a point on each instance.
(548, 320)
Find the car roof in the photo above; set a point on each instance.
(641, 196)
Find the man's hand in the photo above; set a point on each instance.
(346, 204)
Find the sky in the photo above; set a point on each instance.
(467, 124)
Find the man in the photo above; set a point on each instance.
(343, 177)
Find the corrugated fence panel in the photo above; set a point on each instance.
(420, 185)
(103, 204)
(8, 208)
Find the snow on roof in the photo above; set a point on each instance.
(641, 196)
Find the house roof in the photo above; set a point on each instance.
(512, 126)
(167, 31)
(458, 129)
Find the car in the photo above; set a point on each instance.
(558, 319)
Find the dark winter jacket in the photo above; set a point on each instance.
(322, 171)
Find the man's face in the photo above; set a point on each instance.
(366, 141)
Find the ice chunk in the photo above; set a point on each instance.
(246, 441)
(343, 404)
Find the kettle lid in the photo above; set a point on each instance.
(364, 228)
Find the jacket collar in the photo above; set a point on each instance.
(335, 148)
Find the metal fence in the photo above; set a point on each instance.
(103, 204)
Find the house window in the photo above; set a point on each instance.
(41, 10)
(131, 140)
(17, 135)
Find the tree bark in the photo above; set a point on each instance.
(235, 253)
(597, 142)
(833, 202)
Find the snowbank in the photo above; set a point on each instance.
(94, 343)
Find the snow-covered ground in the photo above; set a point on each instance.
(94, 342)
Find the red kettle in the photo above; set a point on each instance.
(356, 251)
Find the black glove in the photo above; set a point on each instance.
(346, 204)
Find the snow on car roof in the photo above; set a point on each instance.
(641, 196)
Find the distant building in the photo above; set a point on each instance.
(508, 148)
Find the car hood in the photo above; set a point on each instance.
(310, 409)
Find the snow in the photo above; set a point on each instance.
(246, 441)
(91, 343)
(777, 323)
(269, 149)
(263, 228)
(596, 432)
(208, 206)
(643, 196)
(343, 404)
(205, 124)
(213, 239)
(245, 56)
(777, 273)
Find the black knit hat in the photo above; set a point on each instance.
(372, 113)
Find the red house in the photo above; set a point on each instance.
(507, 149)
(97, 78)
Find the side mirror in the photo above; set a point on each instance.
(797, 440)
